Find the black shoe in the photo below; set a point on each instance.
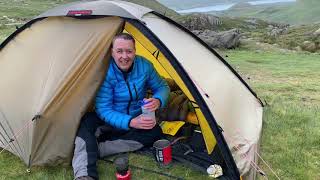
(84, 178)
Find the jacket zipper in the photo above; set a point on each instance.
(135, 89)
(128, 108)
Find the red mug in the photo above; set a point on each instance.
(163, 152)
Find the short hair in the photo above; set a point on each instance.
(124, 36)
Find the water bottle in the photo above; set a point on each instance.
(146, 112)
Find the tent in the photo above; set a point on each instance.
(51, 68)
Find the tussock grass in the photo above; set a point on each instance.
(12, 168)
(291, 139)
(291, 76)
(290, 85)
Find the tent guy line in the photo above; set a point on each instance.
(252, 163)
(15, 137)
(265, 162)
(11, 139)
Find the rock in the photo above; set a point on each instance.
(252, 27)
(277, 31)
(298, 48)
(309, 46)
(8, 19)
(252, 21)
(270, 27)
(201, 22)
(276, 45)
(226, 39)
(279, 25)
(317, 32)
(306, 42)
(196, 32)
(230, 39)
(284, 51)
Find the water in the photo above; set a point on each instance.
(146, 112)
(269, 2)
(223, 7)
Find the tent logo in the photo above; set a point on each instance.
(79, 12)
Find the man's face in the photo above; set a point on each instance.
(123, 52)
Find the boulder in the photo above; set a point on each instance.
(225, 39)
(201, 22)
(309, 46)
(252, 21)
(6, 18)
(277, 31)
(279, 25)
(252, 27)
(298, 48)
(317, 32)
(270, 27)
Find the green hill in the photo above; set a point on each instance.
(155, 5)
(301, 12)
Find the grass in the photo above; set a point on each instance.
(289, 82)
(291, 139)
(12, 168)
(17, 12)
(290, 85)
(291, 76)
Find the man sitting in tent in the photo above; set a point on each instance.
(118, 125)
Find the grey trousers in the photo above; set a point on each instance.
(96, 139)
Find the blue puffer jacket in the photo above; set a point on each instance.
(117, 99)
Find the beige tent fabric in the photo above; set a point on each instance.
(235, 109)
(100, 7)
(56, 71)
(136, 10)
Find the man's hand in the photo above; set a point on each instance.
(152, 104)
(142, 122)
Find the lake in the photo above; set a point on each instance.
(223, 7)
(269, 1)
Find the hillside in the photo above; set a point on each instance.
(301, 12)
(155, 5)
